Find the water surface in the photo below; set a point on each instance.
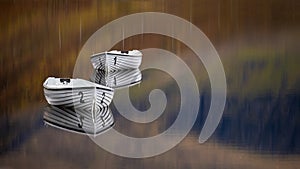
(257, 42)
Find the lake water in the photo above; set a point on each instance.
(257, 42)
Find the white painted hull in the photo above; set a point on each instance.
(117, 79)
(116, 60)
(79, 120)
(77, 93)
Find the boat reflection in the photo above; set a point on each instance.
(79, 121)
(117, 79)
(81, 106)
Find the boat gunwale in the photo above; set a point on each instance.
(76, 88)
(117, 54)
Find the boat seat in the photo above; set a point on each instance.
(124, 51)
(65, 80)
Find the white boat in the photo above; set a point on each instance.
(77, 93)
(79, 120)
(117, 79)
(117, 60)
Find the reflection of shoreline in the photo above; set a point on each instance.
(260, 125)
(267, 124)
(187, 154)
(16, 130)
(232, 157)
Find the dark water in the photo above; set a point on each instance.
(257, 42)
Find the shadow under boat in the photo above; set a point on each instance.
(80, 121)
(117, 79)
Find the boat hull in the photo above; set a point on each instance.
(111, 62)
(84, 95)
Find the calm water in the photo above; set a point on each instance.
(257, 43)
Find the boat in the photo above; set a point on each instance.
(79, 120)
(77, 93)
(117, 79)
(117, 60)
